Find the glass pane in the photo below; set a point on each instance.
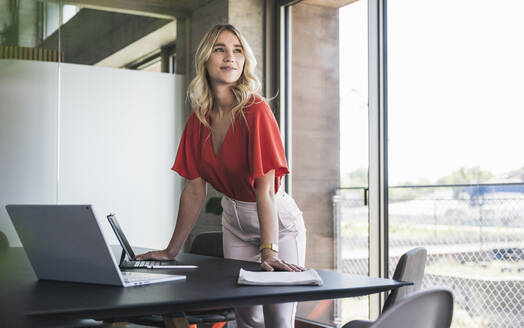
(454, 131)
(28, 107)
(354, 219)
(113, 39)
(23, 27)
(103, 122)
(329, 161)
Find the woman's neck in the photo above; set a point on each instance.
(224, 100)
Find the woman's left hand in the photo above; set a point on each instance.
(271, 262)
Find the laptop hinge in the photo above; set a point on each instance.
(123, 256)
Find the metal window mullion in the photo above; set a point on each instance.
(383, 47)
(286, 90)
(377, 148)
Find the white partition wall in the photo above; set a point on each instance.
(118, 140)
(112, 146)
(28, 136)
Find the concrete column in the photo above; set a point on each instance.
(202, 19)
(316, 135)
(246, 15)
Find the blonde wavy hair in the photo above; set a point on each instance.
(199, 91)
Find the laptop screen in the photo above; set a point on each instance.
(121, 237)
(65, 243)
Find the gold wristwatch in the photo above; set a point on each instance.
(270, 246)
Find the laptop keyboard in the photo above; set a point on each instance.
(140, 264)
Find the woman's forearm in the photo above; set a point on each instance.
(190, 204)
(266, 210)
(268, 219)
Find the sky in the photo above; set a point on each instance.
(455, 73)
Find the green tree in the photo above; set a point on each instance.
(466, 175)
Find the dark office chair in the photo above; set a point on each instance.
(209, 244)
(429, 308)
(410, 268)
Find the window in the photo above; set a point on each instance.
(457, 187)
(328, 141)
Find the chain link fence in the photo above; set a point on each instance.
(474, 235)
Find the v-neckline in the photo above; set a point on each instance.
(211, 138)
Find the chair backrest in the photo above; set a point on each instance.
(410, 268)
(208, 243)
(429, 308)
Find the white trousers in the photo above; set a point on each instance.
(241, 230)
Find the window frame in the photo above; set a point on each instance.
(377, 122)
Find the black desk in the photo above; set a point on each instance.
(213, 285)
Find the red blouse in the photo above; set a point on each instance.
(248, 152)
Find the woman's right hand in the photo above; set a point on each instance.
(162, 255)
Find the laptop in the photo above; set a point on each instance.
(127, 259)
(65, 243)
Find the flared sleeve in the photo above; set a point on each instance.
(265, 151)
(188, 154)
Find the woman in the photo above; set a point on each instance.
(232, 141)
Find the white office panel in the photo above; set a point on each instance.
(28, 136)
(119, 131)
